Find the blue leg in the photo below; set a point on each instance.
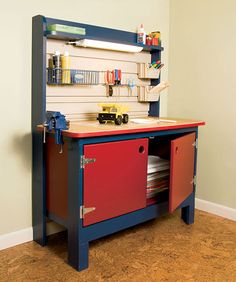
(77, 252)
(38, 111)
(188, 207)
(187, 212)
(83, 256)
(38, 191)
(78, 247)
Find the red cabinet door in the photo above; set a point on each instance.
(181, 169)
(115, 183)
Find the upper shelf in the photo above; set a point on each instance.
(96, 33)
(69, 36)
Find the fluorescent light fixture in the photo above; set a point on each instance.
(107, 45)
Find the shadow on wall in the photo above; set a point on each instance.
(21, 146)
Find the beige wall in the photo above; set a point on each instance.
(202, 72)
(15, 86)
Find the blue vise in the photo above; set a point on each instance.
(57, 122)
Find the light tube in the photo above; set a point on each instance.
(107, 45)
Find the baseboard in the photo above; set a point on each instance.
(216, 209)
(25, 235)
(15, 238)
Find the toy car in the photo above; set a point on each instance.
(113, 113)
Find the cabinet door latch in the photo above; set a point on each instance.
(194, 181)
(195, 144)
(84, 161)
(84, 211)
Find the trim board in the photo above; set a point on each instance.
(25, 235)
(216, 209)
(15, 238)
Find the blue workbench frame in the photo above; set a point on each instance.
(40, 34)
(79, 236)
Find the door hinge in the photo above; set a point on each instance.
(195, 143)
(84, 211)
(84, 161)
(194, 180)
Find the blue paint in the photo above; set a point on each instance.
(57, 122)
(154, 107)
(74, 201)
(38, 115)
(119, 223)
(98, 33)
(187, 209)
(79, 236)
(187, 212)
(195, 159)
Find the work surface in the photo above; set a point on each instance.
(84, 129)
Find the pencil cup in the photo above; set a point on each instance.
(147, 72)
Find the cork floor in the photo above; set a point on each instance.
(164, 249)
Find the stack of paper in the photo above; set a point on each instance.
(158, 176)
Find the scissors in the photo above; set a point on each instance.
(112, 78)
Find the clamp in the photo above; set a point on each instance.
(57, 122)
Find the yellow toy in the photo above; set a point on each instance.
(113, 113)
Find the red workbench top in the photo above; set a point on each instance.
(84, 129)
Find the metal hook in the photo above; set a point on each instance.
(44, 133)
(61, 149)
(110, 90)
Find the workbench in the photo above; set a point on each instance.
(97, 186)
(94, 184)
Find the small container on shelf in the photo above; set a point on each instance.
(65, 65)
(156, 38)
(155, 41)
(84, 77)
(146, 71)
(56, 63)
(141, 35)
(148, 40)
(72, 76)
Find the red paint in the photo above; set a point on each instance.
(155, 41)
(56, 178)
(116, 182)
(130, 131)
(149, 41)
(181, 170)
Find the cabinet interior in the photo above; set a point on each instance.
(161, 147)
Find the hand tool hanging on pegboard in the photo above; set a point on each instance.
(112, 78)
